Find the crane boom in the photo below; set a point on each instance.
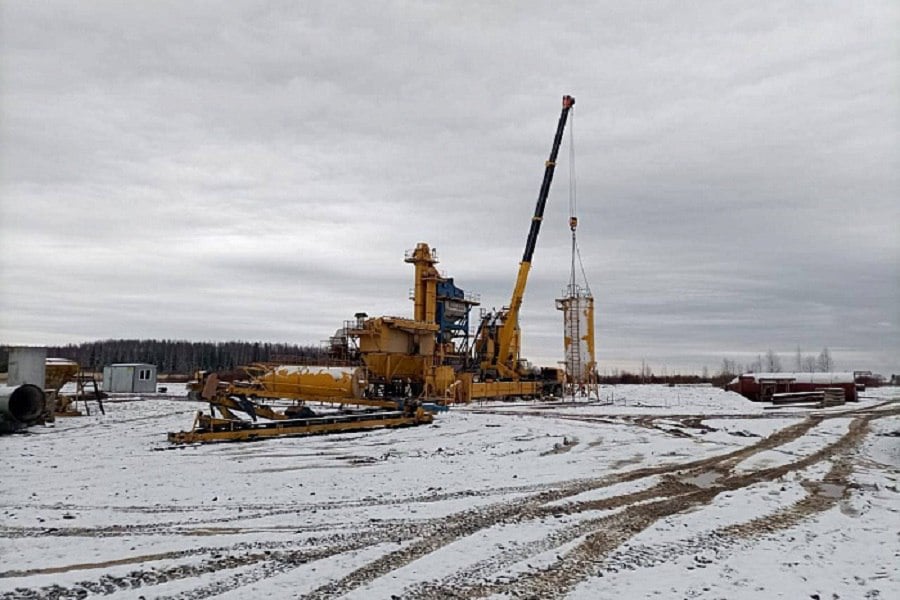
(505, 348)
(550, 166)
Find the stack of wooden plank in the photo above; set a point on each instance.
(798, 397)
(833, 397)
(815, 399)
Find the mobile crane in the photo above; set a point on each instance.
(429, 355)
(498, 342)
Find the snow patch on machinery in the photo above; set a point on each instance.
(337, 373)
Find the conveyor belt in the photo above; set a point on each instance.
(208, 429)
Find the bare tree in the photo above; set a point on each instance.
(646, 372)
(757, 365)
(798, 360)
(824, 363)
(809, 364)
(729, 368)
(772, 362)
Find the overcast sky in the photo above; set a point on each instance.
(256, 170)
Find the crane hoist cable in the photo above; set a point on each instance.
(573, 206)
(573, 214)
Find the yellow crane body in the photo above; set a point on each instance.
(498, 343)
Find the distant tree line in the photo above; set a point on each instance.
(184, 357)
(646, 375)
(626, 377)
(176, 356)
(771, 362)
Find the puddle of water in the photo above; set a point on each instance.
(624, 462)
(704, 480)
(830, 490)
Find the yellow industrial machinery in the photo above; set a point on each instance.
(59, 372)
(208, 428)
(295, 383)
(410, 367)
(417, 357)
(578, 340)
(430, 356)
(298, 386)
(301, 382)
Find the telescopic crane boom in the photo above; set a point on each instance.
(498, 338)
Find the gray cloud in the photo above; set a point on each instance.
(256, 170)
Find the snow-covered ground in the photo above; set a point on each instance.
(652, 491)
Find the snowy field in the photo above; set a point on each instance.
(652, 492)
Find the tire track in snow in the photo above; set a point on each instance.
(602, 536)
(468, 522)
(598, 536)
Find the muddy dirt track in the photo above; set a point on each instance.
(586, 525)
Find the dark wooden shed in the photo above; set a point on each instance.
(760, 387)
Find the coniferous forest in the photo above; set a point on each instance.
(176, 356)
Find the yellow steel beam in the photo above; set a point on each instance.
(240, 432)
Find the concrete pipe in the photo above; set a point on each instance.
(23, 404)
